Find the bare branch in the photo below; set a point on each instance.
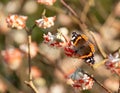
(31, 85)
(98, 45)
(100, 84)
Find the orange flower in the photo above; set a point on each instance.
(16, 21)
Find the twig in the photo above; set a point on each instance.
(108, 91)
(29, 39)
(32, 28)
(31, 85)
(98, 45)
(43, 13)
(29, 56)
(63, 36)
(101, 85)
(99, 63)
(86, 8)
(30, 82)
(70, 9)
(80, 22)
(22, 4)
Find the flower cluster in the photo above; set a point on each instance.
(13, 57)
(69, 50)
(81, 80)
(53, 40)
(19, 21)
(113, 62)
(45, 22)
(16, 21)
(46, 2)
(59, 40)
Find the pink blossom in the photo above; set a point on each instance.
(46, 2)
(13, 57)
(45, 22)
(16, 21)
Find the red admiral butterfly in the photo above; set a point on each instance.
(84, 49)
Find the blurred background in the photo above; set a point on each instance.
(100, 16)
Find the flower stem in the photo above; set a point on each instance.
(100, 84)
(31, 85)
(69, 8)
(29, 39)
(81, 24)
(98, 45)
(29, 56)
(32, 28)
